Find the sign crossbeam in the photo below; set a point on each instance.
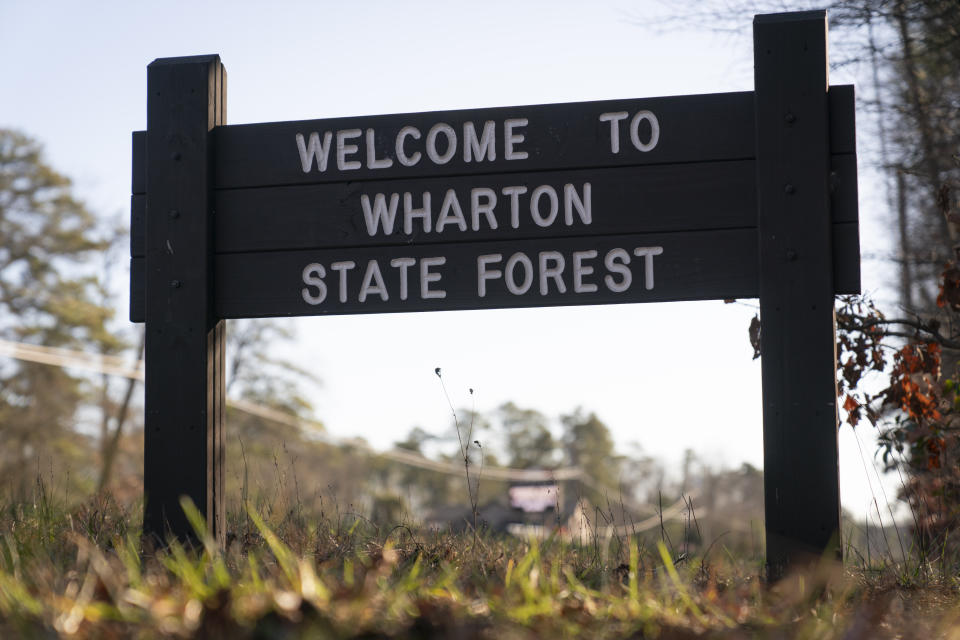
(693, 128)
(676, 197)
(705, 265)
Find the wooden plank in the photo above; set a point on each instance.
(845, 247)
(690, 266)
(841, 101)
(718, 195)
(798, 340)
(844, 195)
(184, 339)
(138, 179)
(138, 290)
(138, 225)
(558, 136)
(624, 200)
(239, 159)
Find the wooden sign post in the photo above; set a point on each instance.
(798, 335)
(184, 351)
(717, 196)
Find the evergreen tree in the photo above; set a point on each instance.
(527, 439)
(587, 444)
(49, 295)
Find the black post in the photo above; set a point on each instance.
(183, 440)
(798, 337)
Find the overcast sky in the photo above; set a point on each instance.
(665, 376)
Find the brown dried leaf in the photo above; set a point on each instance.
(755, 336)
(950, 288)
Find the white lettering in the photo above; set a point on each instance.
(654, 130)
(405, 160)
(554, 272)
(512, 286)
(344, 149)
(648, 253)
(382, 214)
(451, 136)
(409, 213)
(315, 149)
(450, 203)
(426, 277)
(510, 138)
(342, 268)
(614, 118)
(580, 270)
(372, 161)
(484, 274)
(514, 193)
(403, 264)
(610, 262)
(535, 205)
(373, 273)
(476, 208)
(313, 275)
(486, 145)
(572, 200)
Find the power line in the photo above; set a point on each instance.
(70, 359)
(113, 365)
(118, 366)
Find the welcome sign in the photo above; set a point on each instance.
(733, 195)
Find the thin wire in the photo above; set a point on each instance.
(110, 365)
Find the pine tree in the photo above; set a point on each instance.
(587, 444)
(50, 294)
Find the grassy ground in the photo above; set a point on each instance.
(80, 573)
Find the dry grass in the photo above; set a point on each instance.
(80, 573)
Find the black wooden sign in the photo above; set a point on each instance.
(736, 195)
(705, 208)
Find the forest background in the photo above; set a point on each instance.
(687, 415)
